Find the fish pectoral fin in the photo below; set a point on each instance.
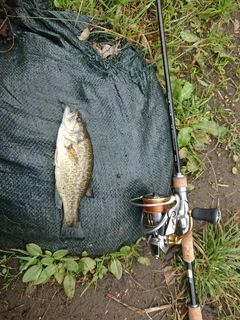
(58, 199)
(72, 154)
(89, 192)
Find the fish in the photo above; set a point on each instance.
(73, 171)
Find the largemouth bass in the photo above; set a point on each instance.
(73, 171)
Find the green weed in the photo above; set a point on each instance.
(6, 271)
(38, 266)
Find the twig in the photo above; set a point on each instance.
(148, 45)
(1, 26)
(109, 31)
(6, 216)
(49, 304)
(233, 217)
(149, 316)
(134, 279)
(150, 61)
(11, 29)
(214, 174)
(234, 84)
(9, 310)
(140, 311)
(195, 59)
(106, 308)
(223, 185)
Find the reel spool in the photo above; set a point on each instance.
(153, 215)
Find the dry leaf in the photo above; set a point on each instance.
(236, 26)
(106, 50)
(84, 35)
(183, 153)
(169, 275)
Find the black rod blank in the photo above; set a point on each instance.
(193, 303)
(169, 90)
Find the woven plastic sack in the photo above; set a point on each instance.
(125, 113)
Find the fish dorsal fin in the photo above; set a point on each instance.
(72, 154)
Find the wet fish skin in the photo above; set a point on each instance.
(73, 171)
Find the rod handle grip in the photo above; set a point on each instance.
(187, 248)
(194, 313)
(211, 215)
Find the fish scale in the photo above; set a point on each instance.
(74, 191)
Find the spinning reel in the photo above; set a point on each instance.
(167, 220)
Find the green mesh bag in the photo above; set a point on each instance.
(125, 113)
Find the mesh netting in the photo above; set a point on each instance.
(126, 116)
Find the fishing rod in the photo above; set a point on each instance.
(166, 219)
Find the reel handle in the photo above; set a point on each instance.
(211, 215)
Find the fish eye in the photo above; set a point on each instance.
(78, 119)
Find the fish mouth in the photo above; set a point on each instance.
(71, 123)
(70, 117)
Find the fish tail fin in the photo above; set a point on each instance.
(72, 232)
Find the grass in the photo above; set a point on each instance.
(199, 53)
(217, 266)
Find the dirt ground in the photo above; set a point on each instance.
(146, 287)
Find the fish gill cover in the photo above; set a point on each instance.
(122, 106)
